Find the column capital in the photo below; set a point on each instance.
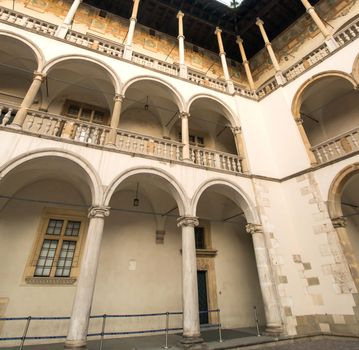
(254, 228)
(98, 212)
(218, 31)
(237, 130)
(184, 115)
(180, 14)
(339, 222)
(239, 40)
(259, 22)
(119, 97)
(299, 121)
(39, 75)
(191, 221)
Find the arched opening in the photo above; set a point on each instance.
(343, 205)
(149, 108)
(229, 263)
(329, 109)
(43, 225)
(140, 263)
(18, 61)
(210, 126)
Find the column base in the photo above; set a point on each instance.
(230, 87)
(273, 330)
(331, 44)
(127, 54)
(14, 126)
(183, 71)
(75, 344)
(192, 343)
(279, 77)
(62, 31)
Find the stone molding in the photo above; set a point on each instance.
(339, 222)
(191, 221)
(51, 280)
(254, 228)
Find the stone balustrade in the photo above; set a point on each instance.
(111, 48)
(7, 113)
(337, 147)
(215, 159)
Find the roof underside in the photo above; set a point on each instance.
(202, 16)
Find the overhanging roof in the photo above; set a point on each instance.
(202, 16)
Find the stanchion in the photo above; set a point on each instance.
(102, 330)
(256, 320)
(167, 327)
(25, 333)
(219, 326)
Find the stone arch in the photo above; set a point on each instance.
(173, 186)
(336, 189)
(176, 94)
(36, 50)
(228, 112)
(240, 198)
(297, 100)
(93, 180)
(116, 81)
(355, 71)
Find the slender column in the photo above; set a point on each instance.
(271, 307)
(185, 136)
(308, 147)
(237, 131)
(191, 326)
(64, 27)
(183, 67)
(115, 119)
(222, 55)
(279, 76)
(76, 337)
(131, 30)
(329, 40)
(239, 41)
(28, 100)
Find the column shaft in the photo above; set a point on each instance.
(185, 136)
(240, 149)
(271, 307)
(64, 27)
(115, 120)
(183, 67)
(77, 334)
(131, 30)
(307, 145)
(191, 325)
(28, 100)
(245, 63)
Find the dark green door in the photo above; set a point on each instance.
(202, 296)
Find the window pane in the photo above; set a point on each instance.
(86, 114)
(199, 235)
(64, 264)
(73, 228)
(54, 227)
(46, 259)
(73, 110)
(99, 117)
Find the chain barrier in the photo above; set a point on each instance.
(105, 317)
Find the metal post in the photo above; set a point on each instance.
(167, 327)
(25, 333)
(102, 330)
(219, 326)
(256, 320)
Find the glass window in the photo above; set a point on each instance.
(199, 235)
(46, 258)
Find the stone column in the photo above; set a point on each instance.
(185, 136)
(271, 307)
(239, 41)
(183, 67)
(28, 100)
(307, 145)
(222, 55)
(81, 309)
(64, 27)
(329, 40)
(115, 119)
(237, 131)
(131, 31)
(191, 326)
(279, 76)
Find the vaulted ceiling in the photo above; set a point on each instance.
(202, 16)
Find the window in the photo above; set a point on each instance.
(200, 237)
(194, 140)
(85, 112)
(57, 250)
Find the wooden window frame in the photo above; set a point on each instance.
(57, 214)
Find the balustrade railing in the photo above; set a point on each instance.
(348, 33)
(337, 147)
(267, 87)
(215, 159)
(7, 113)
(202, 79)
(28, 22)
(154, 63)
